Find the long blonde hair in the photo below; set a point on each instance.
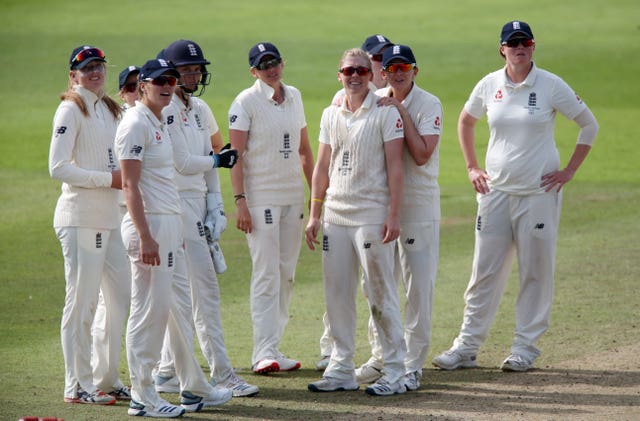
(71, 95)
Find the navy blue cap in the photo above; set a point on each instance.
(401, 52)
(83, 55)
(375, 43)
(124, 75)
(260, 50)
(515, 27)
(183, 53)
(156, 67)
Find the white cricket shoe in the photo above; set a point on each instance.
(266, 366)
(195, 403)
(323, 363)
(453, 359)
(163, 410)
(412, 380)
(166, 384)
(329, 384)
(287, 364)
(367, 373)
(515, 362)
(385, 388)
(238, 386)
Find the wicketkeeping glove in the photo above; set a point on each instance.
(227, 157)
(215, 221)
(219, 264)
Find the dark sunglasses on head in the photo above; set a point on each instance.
(267, 64)
(85, 54)
(398, 67)
(360, 70)
(514, 42)
(130, 87)
(163, 80)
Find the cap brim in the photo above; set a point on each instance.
(378, 48)
(406, 60)
(160, 72)
(511, 34)
(260, 56)
(83, 63)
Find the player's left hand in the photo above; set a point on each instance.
(227, 157)
(390, 229)
(556, 179)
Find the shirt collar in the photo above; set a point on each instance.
(369, 102)
(87, 95)
(143, 109)
(530, 80)
(267, 91)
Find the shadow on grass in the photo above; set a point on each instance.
(475, 393)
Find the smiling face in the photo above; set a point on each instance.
(356, 83)
(398, 78)
(90, 77)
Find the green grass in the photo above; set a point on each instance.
(593, 45)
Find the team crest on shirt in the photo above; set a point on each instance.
(437, 122)
(498, 96)
(532, 104)
(578, 98)
(158, 137)
(399, 123)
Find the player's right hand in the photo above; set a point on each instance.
(227, 157)
(311, 232)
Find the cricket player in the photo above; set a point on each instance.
(519, 196)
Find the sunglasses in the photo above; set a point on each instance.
(267, 64)
(163, 80)
(398, 67)
(130, 87)
(360, 70)
(514, 42)
(85, 54)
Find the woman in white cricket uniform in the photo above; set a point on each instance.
(152, 233)
(86, 221)
(268, 128)
(418, 248)
(360, 170)
(193, 127)
(519, 197)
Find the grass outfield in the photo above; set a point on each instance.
(593, 45)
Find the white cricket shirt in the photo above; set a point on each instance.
(141, 136)
(358, 191)
(521, 120)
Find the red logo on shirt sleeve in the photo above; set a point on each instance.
(399, 123)
(436, 122)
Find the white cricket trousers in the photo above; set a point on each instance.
(109, 322)
(416, 259)
(507, 225)
(152, 309)
(197, 294)
(345, 250)
(93, 258)
(274, 245)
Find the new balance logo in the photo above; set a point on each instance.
(136, 149)
(410, 241)
(538, 226)
(268, 217)
(325, 243)
(99, 240)
(367, 245)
